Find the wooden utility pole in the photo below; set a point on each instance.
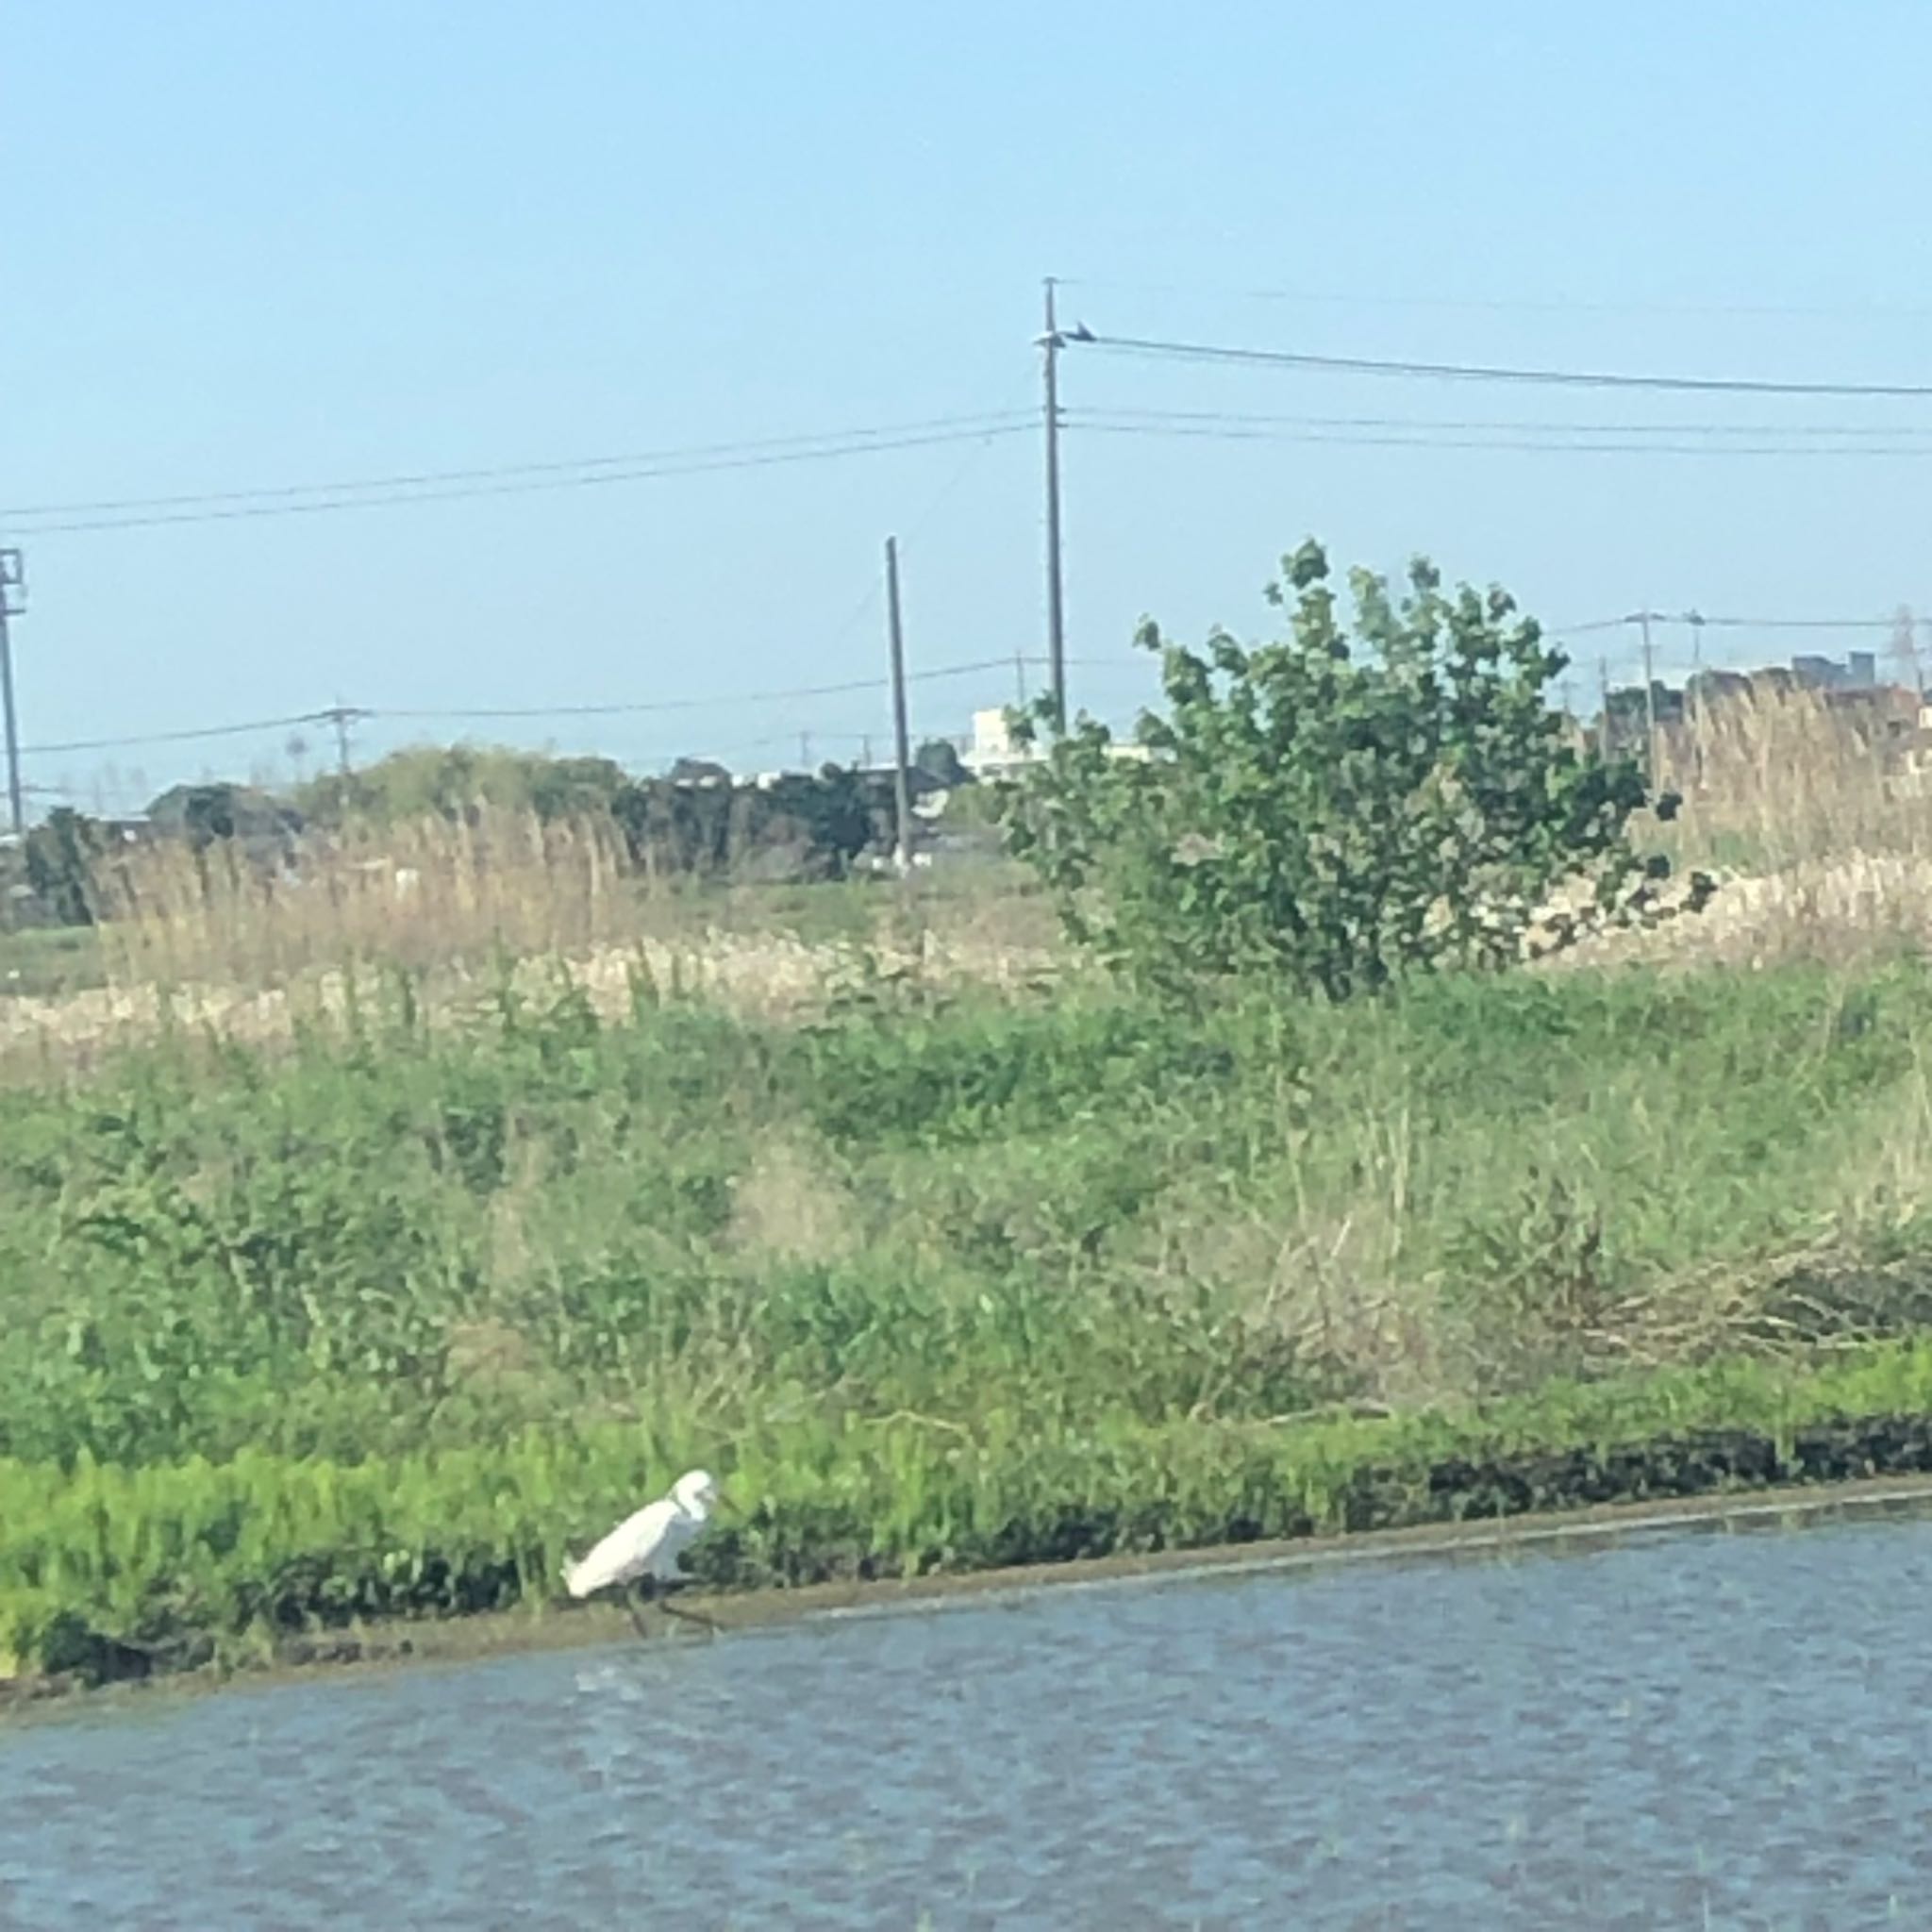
(902, 763)
(1603, 716)
(341, 717)
(12, 601)
(1649, 697)
(1056, 610)
(1693, 697)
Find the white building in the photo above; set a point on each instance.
(990, 749)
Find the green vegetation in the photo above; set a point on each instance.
(1306, 1216)
(110, 1570)
(46, 962)
(386, 1324)
(1339, 808)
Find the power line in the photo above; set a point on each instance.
(329, 714)
(1251, 418)
(218, 508)
(1790, 622)
(1697, 617)
(256, 724)
(1459, 372)
(919, 525)
(1494, 305)
(493, 472)
(808, 691)
(1101, 423)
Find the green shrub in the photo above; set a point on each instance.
(1336, 807)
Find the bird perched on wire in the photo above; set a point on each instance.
(642, 1553)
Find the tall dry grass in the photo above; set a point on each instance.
(1816, 818)
(251, 945)
(1776, 778)
(432, 893)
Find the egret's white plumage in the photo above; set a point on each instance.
(648, 1543)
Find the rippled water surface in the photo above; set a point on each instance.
(1722, 1730)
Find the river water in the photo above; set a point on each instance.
(1701, 1730)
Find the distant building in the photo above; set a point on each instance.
(990, 749)
(1859, 671)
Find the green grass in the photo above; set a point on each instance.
(385, 1324)
(47, 961)
(106, 1568)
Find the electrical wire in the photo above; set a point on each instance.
(256, 724)
(1252, 419)
(460, 713)
(1103, 423)
(1458, 372)
(220, 508)
(1698, 620)
(666, 705)
(1492, 304)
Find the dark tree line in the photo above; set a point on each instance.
(698, 822)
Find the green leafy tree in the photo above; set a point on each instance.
(206, 815)
(61, 855)
(822, 820)
(940, 759)
(454, 782)
(1361, 798)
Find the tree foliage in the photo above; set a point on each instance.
(808, 824)
(61, 855)
(218, 812)
(1376, 792)
(456, 781)
(939, 760)
(699, 820)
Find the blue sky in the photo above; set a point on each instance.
(250, 245)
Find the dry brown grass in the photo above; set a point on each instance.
(429, 894)
(251, 952)
(1818, 827)
(1816, 821)
(1776, 778)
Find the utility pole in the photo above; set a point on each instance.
(1649, 697)
(1603, 716)
(12, 603)
(1050, 344)
(805, 752)
(1694, 696)
(902, 765)
(341, 717)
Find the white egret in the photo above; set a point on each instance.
(645, 1549)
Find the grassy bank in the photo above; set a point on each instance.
(111, 1572)
(385, 1323)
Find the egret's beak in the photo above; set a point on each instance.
(721, 1499)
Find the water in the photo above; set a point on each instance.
(1701, 1731)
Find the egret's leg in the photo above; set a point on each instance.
(687, 1616)
(638, 1599)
